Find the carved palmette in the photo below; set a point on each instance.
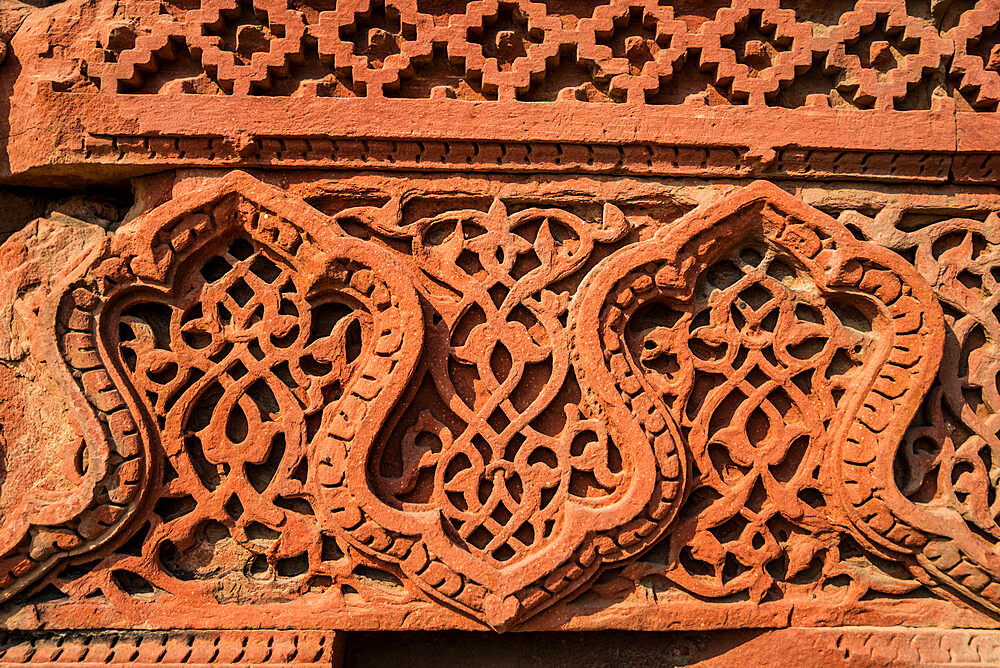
(259, 385)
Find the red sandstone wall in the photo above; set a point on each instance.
(323, 322)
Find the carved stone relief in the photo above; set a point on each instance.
(329, 317)
(876, 89)
(484, 407)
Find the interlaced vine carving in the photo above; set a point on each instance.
(501, 482)
(472, 407)
(784, 352)
(233, 334)
(756, 368)
(514, 468)
(237, 370)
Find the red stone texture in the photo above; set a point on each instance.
(344, 332)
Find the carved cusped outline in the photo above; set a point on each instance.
(424, 539)
(976, 78)
(141, 264)
(849, 463)
(852, 450)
